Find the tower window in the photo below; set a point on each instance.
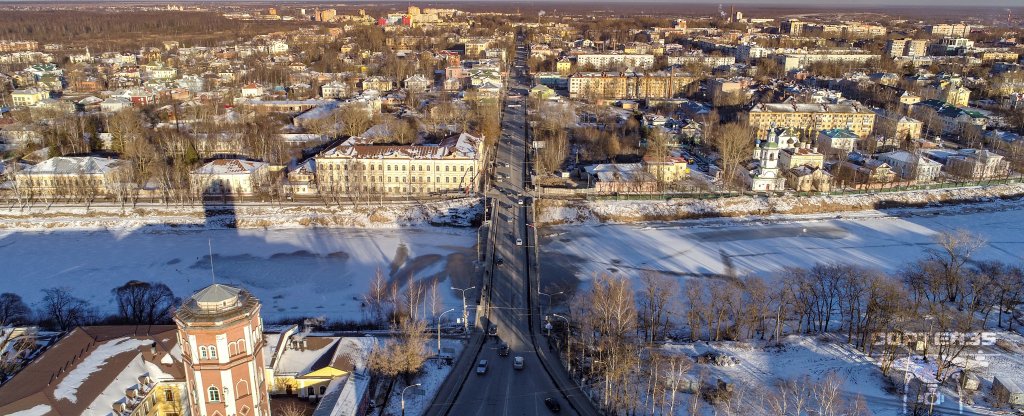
(213, 352)
(202, 353)
(214, 394)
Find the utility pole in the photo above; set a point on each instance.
(465, 313)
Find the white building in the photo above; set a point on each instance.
(763, 173)
(610, 60)
(911, 166)
(229, 176)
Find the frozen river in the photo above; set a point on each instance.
(294, 272)
(703, 248)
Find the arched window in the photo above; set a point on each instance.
(213, 394)
(232, 349)
(242, 388)
(323, 390)
(213, 352)
(202, 353)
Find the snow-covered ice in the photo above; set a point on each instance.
(699, 248)
(294, 272)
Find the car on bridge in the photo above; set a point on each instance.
(481, 368)
(504, 350)
(518, 363)
(552, 404)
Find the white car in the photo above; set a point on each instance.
(518, 363)
(519, 241)
(481, 368)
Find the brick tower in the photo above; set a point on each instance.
(221, 337)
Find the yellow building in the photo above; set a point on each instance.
(668, 169)
(627, 85)
(359, 167)
(28, 97)
(811, 118)
(563, 66)
(1006, 56)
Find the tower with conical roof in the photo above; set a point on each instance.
(221, 337)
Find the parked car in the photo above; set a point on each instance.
(552, 405)
(481, 368)
(518, 363)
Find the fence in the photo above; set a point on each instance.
(591, 195)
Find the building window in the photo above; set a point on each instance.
(323, 390)
(213, 352)
(202, 353)
(213, 394)
(169, 395)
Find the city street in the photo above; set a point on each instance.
(503, 390)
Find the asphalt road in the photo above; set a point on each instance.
(503, 390)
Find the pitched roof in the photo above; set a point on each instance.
(230, 167)
(74, 165)
(90, 368)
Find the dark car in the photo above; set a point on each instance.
(493, 330)
(504, 350)
(552, 405)
(499, 261)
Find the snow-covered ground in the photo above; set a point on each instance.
(765, 245)
(294, 272)
(456, 212)
(430, 379)
(804, 356)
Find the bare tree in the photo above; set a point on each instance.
(145, 303)
(63, 310)
(13, 311)
(655, 298)
(734, 142)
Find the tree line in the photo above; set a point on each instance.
(614, 331)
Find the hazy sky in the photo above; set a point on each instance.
(845, 3)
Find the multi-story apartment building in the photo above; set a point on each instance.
(627, 85)
(357, 167)
(797, 60)
(811, 118)
(793, 27)
(959, 30)
(602, 61)
(906, 47)
(18, 45)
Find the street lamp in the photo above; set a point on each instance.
(549, 295)
(439, 332)
(403, 395)
(465, 315)
(568, 345)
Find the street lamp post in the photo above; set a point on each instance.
(465, 313)
(549, 295)
(439, 332)
(568, 345)
(403, 395)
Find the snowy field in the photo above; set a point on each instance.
(702, 248)
(294, 272)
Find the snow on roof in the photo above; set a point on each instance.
(230, 167)
(303, 359)
(462, 145)
(92, 363)
(77, 165)
(38, 410)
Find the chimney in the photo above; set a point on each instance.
(152, 348)
(118, 408)
(131, 393)
(145, 380)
